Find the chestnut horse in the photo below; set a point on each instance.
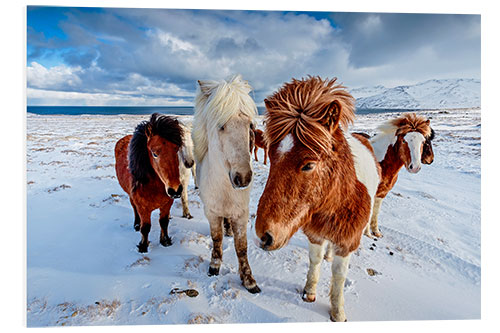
(321, 179)
(147, 168)
(403, 141)
(223, 141)
(260, 143)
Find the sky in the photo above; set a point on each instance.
(126, 56)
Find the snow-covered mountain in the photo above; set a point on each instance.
(431, 94)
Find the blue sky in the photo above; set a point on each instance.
(115, 56)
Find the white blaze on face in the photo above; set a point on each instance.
(415, 141)
(286, 144)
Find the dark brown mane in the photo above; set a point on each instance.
(311, 109)
(410, 122)
(164, 126)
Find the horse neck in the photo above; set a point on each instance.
(391, 163)
(343, 177)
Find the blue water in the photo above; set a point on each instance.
(177, 110)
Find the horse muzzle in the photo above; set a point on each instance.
(173, 193)
(240, 181)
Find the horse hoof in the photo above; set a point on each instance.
(377, 234)
(187, 216)
(254, 290)
(213, 271)
(329, 258)
(137, 227)
(143, 248)
(341, 318)
(166, 241)
(309, 298)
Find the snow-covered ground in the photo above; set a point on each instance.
(84, 268)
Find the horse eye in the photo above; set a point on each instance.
(154, 154)
(221, 128)
(308, 167)
(251, 126)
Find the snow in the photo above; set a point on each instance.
(83, 267)
(431, 94)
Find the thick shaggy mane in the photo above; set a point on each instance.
(410, 122)
(164, 126)
(215, 103)
(310, 109)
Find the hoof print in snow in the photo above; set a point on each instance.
(372, 272)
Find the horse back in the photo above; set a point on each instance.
(121, 163)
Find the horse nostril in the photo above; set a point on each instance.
(189, 164)
(410, 166)
(173, 193)
(266, 240)
(179, 191)
(237, 179)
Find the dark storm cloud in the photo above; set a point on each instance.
(380, 38)
(160, 51)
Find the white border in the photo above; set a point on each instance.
(13, 200)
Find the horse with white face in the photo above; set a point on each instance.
(186, 166)
(321, 179)
(403, 141)
(223, 140)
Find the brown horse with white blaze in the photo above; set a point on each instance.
(147, 168)
(321, 179)
(403, 141)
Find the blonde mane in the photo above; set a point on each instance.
(310, 109)
(215, 103)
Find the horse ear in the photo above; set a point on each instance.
(205, 86)
(333, 111)
(148, 130)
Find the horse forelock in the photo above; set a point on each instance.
(307, 108)
(138, 155)
(215, 104)
(411, 122)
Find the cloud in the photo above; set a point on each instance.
(149, 52)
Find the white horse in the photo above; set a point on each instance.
(223, 141)
(186, 168)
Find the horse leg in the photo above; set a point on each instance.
(265, 156)
(329, 252)
(193, 173)
(145, 228)
(184, 196)
(165, 240)
(255, 152)
(137, 218)
(374, 220)
(339, 272)
(316, 253)
(240, 244)
(228, 231)
(216, 234)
